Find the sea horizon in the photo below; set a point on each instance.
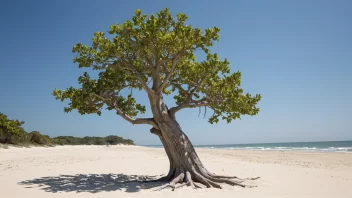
(312, 146)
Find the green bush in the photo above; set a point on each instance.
(36, 138)
(11, 132)
(60, 141)
(18, 139)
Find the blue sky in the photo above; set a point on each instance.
(296, 54)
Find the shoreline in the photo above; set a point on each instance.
(268, 150)
(10, 146)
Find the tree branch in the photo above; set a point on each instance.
(174, 60)
(191, 104)
(169, 74)
(156, 131)
(138, 76)
(165, 60)
(188, 101)
(133, 121)
(178, 86)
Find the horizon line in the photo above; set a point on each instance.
(258, 143)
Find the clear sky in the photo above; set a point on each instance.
(296, 54)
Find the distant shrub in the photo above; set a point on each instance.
(11, 132)
(36, 138)
(60, 141)
(18, 138)
(113, 139)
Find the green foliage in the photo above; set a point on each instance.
(18, 139)
(112, 140)
(9, 127)
(67, 140)
(157, 48)
(60, 141)
(11, 132)
(37, 138)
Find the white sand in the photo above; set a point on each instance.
(62, 172)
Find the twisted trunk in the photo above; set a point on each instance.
(185, 165)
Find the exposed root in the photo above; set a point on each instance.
(162, 179)
(197, 185)
(202, 179)
(231, 177)
(181, 185)
(172, 186)
(214, 184)
(189, 180)
(227, 181)
(178, 179)
(194, 178)
(166, 178)
(251, 178)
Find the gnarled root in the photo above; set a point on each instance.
(227, 180)
(179, 177)
(196, 179)
(231, 177)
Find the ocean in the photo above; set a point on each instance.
(332, 146)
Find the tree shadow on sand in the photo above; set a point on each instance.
(92, 183)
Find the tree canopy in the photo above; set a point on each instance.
(157, 54)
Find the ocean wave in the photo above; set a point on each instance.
(282, 148)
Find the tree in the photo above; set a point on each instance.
(128, 142)
(37, 138)
(156, 54)
(11, 131)
(113, 139)
(60, 141)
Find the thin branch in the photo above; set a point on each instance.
(144, 84)
(178, 86)
(191, 104)
(188, 101)
(168, 75)
(149, 121)
(199, 83)
(138, 76)
(201, 100)
(174, 60)
(197, 105)
(165, 60)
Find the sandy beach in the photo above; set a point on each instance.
(100, 171)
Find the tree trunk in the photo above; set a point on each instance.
(185, 165)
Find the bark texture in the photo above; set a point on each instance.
(185, 165)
